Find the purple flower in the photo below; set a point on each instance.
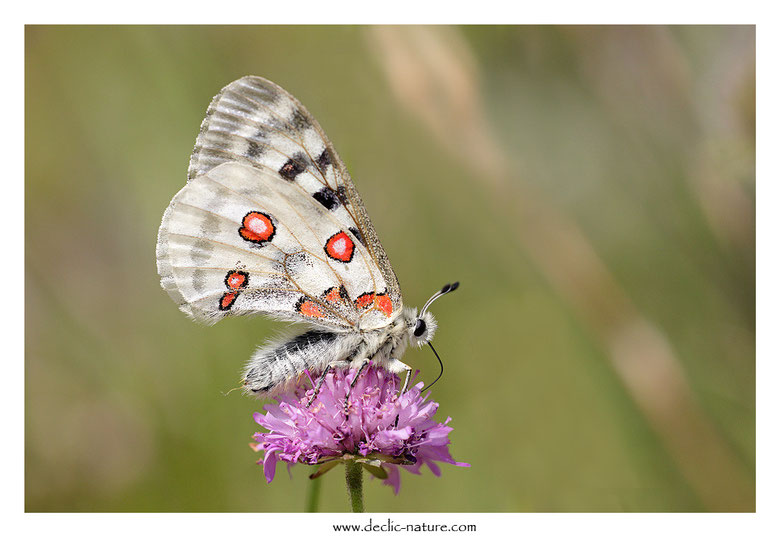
(368, 431)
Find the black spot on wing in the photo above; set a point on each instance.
(343, 293)
(324, 159)
(358, 235)
(328, 198)
(292, 168)
(299, 121)
(254, 150)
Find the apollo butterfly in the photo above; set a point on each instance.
(270, 222)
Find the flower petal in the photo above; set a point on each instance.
(394, 477)
(379, 424)
(270, 465)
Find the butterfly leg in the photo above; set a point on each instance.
(319, 384)
(328, 368)
(406, 380)
(353, 382)
(396, 366)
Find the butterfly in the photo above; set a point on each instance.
(270, 222)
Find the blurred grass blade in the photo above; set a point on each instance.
(432, 74)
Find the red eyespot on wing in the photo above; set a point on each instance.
(256, 227)
(236, 280)
(384, 304)
(364, 301)
(309, 308)
(340, 247)
(227, 300)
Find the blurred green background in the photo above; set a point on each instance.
(591, 187)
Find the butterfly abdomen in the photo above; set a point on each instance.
(276, 364)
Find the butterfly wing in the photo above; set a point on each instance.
(254, 121)
(270, 222)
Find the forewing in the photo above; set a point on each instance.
(241, 240)
(255, 122)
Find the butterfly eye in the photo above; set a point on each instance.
(420, 327)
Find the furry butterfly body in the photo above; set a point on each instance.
(270, 222)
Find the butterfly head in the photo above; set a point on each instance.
(422, 325)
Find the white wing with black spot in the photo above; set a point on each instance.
(241, 240)
(255, 122)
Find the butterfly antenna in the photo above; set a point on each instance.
(447, 288)
(441, 367)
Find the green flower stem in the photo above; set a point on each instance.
(314, 495)
(353, 472)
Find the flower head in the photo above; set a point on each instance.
(380, 428)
